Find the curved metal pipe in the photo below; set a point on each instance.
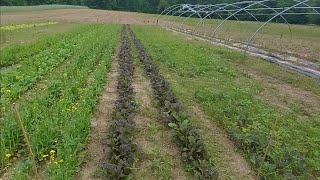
(307, 6)
(172, 9)
(269, 8)
(203, 9)
(246, 12)
(249, 42)
(242, 9)
(195, 12)
(218, 10)
(165, 11)
(172, 15)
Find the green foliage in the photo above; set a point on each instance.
(186, 136)
(208, 75)
(57, 108)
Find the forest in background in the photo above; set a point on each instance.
(157, 6)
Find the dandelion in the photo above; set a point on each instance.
(52, 152)
(8, 156)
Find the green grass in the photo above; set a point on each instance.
(7, 9)
(57, 114)
(211, 77)
(28, 35)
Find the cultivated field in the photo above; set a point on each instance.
(114, 101)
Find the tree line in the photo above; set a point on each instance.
(157, 6)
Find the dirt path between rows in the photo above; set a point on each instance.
(230, 162)
(97, 148)
(159, 157)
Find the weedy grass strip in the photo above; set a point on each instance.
(59, 121)
(23, 52)
(121, 156)
(55, 87)
(174, 116)
(16, 81)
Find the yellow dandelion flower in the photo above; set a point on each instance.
(52, 152)
(8, 155)
(51, 158)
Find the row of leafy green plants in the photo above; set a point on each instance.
(57, 118)
(121, 156)
(174, 116)
(37, 60)
(53, 85)
(18, 53)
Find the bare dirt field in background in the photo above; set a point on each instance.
(78, 16)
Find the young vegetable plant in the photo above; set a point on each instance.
(122, 147)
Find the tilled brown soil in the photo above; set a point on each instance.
(78, 16)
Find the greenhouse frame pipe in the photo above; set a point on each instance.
(256, 9)
(242, 9)
(304, 3)
(202, 9)
(261, 3)
(302, 13)
(171, 9)
(211, 14)
(233, 5)
(185, 5)
(194, 12)
(244, 2)
(269, 8)
(257, 31)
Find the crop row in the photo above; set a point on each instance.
(57, 119)
(19, 53)
(16, 80)
(122, 148)
(186, 136)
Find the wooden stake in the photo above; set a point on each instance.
(25, 135)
